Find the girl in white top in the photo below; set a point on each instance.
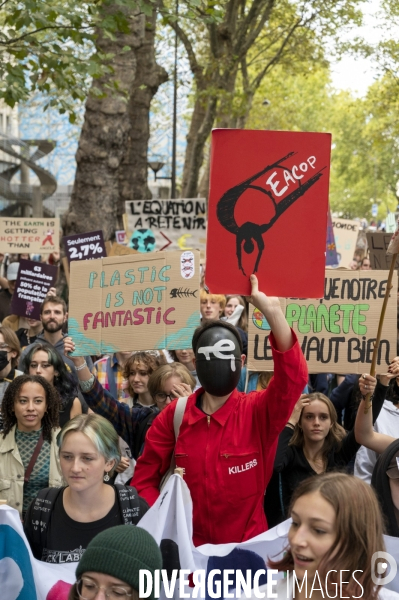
(336, 528)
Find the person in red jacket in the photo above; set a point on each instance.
(227, 439)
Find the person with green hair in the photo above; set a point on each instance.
(70, 517)
(112, 563)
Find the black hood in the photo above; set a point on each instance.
(380, 483)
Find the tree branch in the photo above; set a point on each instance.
(242, 44)
(258, 79)
(251, 37)
(12, 41)
(195, 67)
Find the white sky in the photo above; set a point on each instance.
(357, 74)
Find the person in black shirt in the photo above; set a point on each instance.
(27, 336)
(44, 360)
(60, 525)
(311, 443)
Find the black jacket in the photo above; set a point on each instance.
(380, 482)
(292, 466)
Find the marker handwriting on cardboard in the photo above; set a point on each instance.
(144, 275)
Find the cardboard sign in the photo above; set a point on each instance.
(266, 189)
(85, 246)
(378, 243)
(167, 224)
(345, 233)
(134, 302)
(31, 287)
(33, 236)
(331, 250)
(120, 250)
(337, 334)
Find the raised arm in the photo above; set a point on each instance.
(364, 432)
(82, 370)
(124, 420)
(270, 307)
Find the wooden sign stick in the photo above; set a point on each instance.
(367, 403)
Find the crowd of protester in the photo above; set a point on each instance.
(87, 441)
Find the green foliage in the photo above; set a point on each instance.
(365, 166)
(365, 133)
(49, 46)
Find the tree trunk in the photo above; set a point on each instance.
(203, 188)
(102, 143)
(202, 121)
(197, 119)
(149, 76)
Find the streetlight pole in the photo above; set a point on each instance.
(173, 184)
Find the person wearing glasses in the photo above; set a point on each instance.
(10, 351)
(112, 563)
(170, 382)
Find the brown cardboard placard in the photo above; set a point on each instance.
(156, 225)
(29, 235)
(378, 242)
(108, 246)
(120, 250)
(345, 234)
(337, 333)
(135, 302)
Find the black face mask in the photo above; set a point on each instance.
(3, 359)
(218, 361)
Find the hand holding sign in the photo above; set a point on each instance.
(270, 307)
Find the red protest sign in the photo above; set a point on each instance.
(268, 203)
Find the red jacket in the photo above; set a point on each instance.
(228, 456)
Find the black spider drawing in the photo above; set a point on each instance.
(250, 234)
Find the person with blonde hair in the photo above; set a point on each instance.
(170, 382)
(212, 307)
(336, 529)
(70, 517)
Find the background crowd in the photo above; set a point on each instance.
(86, 441)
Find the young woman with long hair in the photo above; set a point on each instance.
(336, 529)
(44, 360)
(30, 412)
(231, 304)
(313, 442)
(89, 452)
(137, 371)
